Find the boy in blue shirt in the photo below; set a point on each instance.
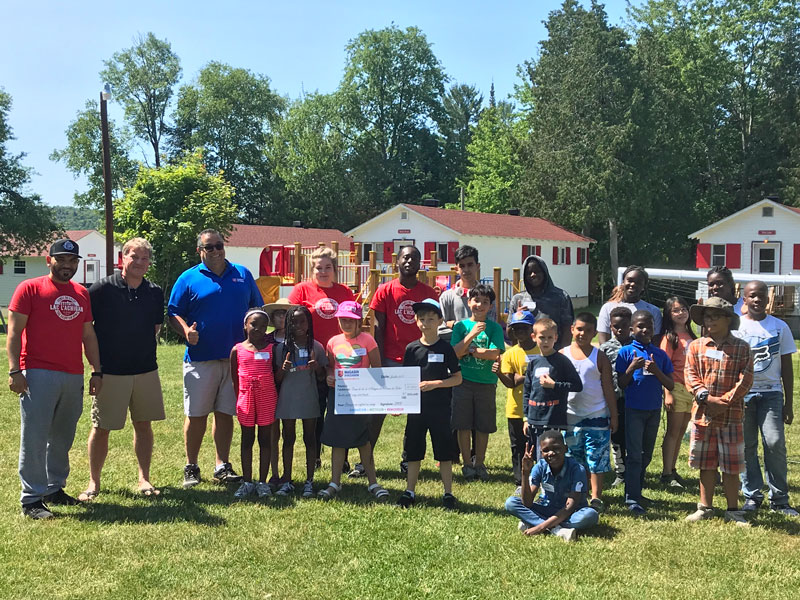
(642, 370)
(561, 509)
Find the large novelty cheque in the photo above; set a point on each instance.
(391, 390)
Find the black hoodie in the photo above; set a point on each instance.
(551, 302)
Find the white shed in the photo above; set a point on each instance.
(502, 240)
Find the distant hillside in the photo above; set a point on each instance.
(71, 217)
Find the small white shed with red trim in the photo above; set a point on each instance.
(763, 238)
(502, 240)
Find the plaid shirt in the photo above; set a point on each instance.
(727, 377)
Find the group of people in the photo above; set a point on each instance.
(569, 402)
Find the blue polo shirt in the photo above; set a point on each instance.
(217, 304)
(644, 391)
(553, 489)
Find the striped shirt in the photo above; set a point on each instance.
(725, 371)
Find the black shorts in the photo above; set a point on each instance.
(434, 417)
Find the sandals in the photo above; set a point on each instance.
(330, 492)
(380, 493)
(88, 495)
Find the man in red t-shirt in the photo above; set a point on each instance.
(395, 327)
(49, 319)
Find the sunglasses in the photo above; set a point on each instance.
(210, 247)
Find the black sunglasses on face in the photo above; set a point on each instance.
(210, 247)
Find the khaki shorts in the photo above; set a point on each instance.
(141, 393)
(683, 399)
(207, 388)
(474, 407)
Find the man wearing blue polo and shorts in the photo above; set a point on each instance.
(207, 306)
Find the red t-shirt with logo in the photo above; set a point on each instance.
(322, 302)
(396, 302)
(53, 336)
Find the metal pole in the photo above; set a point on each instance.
(109, 206)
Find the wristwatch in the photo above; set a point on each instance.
(14, 372)
(97, 374)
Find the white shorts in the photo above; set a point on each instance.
(207, 388)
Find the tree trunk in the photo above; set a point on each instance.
(612, 249)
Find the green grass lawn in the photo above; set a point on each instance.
(202, 544)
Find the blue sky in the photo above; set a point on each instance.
(51, 52)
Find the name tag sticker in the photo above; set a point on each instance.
(435, 358)
(262, 356)
(302, 353)
(360, 351)
(715, 354)
(531, 305)
(548, 487)
(541, 371)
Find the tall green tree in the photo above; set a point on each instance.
(83, 155)
(26, 224)
(230, 113)
(143, 78)
(462, 106)
(169, 207)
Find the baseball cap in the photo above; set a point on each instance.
(522, 317)
(427, 304)
(64, 246)
(349, 310)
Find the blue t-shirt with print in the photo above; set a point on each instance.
(553, 489)
(644, 391)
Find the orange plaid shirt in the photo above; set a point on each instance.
(727, 377)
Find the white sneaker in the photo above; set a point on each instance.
(701, 514)
(248, 488)
(568, 534)
(522, 526)
(285, 489)
(737, 517)
(308, 489)
(263, 490)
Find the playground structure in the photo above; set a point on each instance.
(284, 266)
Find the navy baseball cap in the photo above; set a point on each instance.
(64, 246)
(427, 304)
(522, 317)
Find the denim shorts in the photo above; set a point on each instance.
(590, 446)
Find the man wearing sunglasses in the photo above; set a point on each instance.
(206, 307)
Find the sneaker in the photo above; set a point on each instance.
(482, 473)
(737, 517)
(751, 505)
(358, 471)
(247, 488)
(672, 480)
(637, 510)
(404, 467)
(225, 474)
(37, 511)
(449, 502)
(308, 489)
(346, 466)
(469, 472)
(597, 504)
(407, 500)
(618, 481)
(263, 490)
(60, 498)
(518, 491)
(784, 509)
(274, 483)
(191, 476)
(568, 534)
(522, 526)
(679, 480)
(286, 489)
(701, 514)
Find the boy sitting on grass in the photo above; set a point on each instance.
(719, 373)
(439, 372)
(561, 509)
(548, 382)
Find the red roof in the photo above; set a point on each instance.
(498, 225)
(793, 208)
(259, 236)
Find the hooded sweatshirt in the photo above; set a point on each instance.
(550, 302)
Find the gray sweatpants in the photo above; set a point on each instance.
(49, 411)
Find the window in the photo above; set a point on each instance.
(766, 211)
(718, 255)
(404, 215)
(563, 258)
(366, 248)
(766, 260)
(19, 267)
(441, 251)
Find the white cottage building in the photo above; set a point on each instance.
(502, 240)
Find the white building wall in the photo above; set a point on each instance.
(415, 228)
(35, 266)
(93, 250)
(248, 257)
(744, 228)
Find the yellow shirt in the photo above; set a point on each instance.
(515, 360)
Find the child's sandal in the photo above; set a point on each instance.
(329, 493)
(380, 493)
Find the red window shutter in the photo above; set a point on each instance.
(555, 255)
(579, 257)
(1, 262)
(538, 251)
(733, 256)
(388, 248)
(586, 255)
(795, 262)
(525, 251)
(429, 247)
(703, 259)
(568, 255)
(451, 252)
